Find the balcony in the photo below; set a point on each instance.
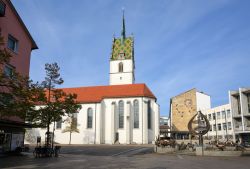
(236, 115)
(247, 127)
(238, 128)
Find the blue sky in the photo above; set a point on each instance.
(179, 44)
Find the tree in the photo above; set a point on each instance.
(18, 94)
(72, 121)
(57, 102)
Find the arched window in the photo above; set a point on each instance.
(149, 115)
(59, 123)
(90, 118)
(121, 114)
(136, 114)
(120, 67)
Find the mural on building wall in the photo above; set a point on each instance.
(183, 109)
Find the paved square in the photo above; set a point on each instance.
(81, 157)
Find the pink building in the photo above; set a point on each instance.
(19, 43)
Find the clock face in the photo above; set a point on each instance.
(122, 56)
(188, 102)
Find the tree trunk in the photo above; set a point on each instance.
(47, 135)
(53, 134)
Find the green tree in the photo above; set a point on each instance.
(72, 128)
(57, 102)
(18, 94)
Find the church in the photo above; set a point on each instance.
(121, 113)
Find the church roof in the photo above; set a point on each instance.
(95, 94)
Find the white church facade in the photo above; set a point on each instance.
(122, 112)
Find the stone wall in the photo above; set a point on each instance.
(183, 109)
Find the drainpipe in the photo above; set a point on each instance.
(95, 125)
(142, 121)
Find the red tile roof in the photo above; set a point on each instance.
(95, 94)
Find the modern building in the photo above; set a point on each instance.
(19, 43)
(122, 112)
(220, 119)
(240, 106)
(164, 126)
(182, 108)
(164, 121)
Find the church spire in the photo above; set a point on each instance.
(123, 33)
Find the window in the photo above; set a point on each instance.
(120, 67)
(229, 126)
(219, 127)
(238, 103)
(2, 9)
(209, 116)
(136, 114)
(90, 118)
(8, 70)
(218, 115)
(149, 115)
(224, 126)
(248, 102)
(228, 113)
(214, 127)
(59, 124)
(12, 43)
(213, 116)
(74, 120)
(223, 115)
(121, 114)
(210, 128)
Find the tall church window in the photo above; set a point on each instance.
(149, 115)
(59, 124)
(121, 114)
(90, 118)
(136, 114)
(120, 67)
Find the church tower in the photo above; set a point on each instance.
(122, 59)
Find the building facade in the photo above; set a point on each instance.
(182, 108)
(240, 106)
(19, 43)
(164, 126)
(221, 126)
(164, 121)
(122, 113)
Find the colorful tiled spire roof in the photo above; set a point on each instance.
(123, 47)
